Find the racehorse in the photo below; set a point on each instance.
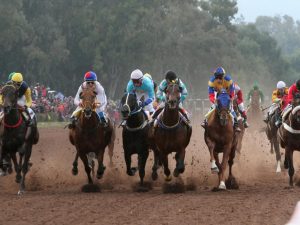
(289, 134)
(171, 133)
(16, 136)
(271, 131)
(254, 109)
(239, 135)
(136, 136)
(220, 138)
(89, 135)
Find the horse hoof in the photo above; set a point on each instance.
(154, 176)
(18, 179)
(2, 173)
(231, 183)
(132, 171)
(74, 171)
(168, 178)
(215, 170)
(222, 185)
(21, 192)
(278, 170)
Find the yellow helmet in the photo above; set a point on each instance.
(17, 77)
(148, 75)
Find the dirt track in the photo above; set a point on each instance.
(54, 195)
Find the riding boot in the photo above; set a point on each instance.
(204, 123)
(72, 123)
(266, 119)
(102, 119)
(278, 122)
(236, 125)
(154, 116)
(184, 113)
(246, 125)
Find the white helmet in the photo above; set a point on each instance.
(136, 74)
(280, 85)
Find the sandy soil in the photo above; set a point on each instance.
(54, 196)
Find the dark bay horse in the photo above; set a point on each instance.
(172, 134)
(220, 138)
(289, 134)
(136, 136)
(15, 136)
(271, 131)
(89, 135)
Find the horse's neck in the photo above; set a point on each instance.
(13, 116)
(89, 123)
(170, 117)
(136, 120)
(293, 122)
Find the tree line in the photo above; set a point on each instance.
(56, 42)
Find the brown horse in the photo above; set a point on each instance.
(271, 131)
(15, 136)
(90, 135)
(220, 138)
(289, 134)
(172, 134)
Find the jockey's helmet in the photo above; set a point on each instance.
(298, 84)
(219, 72)
(137, 77)
(170, 76)
(17, 78)
(10, 75)
(281, 85)
(90, 76)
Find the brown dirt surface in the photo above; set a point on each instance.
(54, 195)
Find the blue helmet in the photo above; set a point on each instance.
(219, 72)
(90, 76)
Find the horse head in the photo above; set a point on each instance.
(296, 107)
(88, 101)
(173, 95)
(223, 107)
(129, 105)
(9, 94)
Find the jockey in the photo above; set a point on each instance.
(143, 87)
(90, 80)
(160, 94)
(238, 95)
(254, 89)
(216, 83)
(24, 96)
(294, 89)
(279, 96)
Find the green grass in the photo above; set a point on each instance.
(52, 124)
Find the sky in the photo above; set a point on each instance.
(250, 9)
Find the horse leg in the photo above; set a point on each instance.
(101, 167)
(222, 185)
(18, 173)
(278, 156)
(130, 171)
(142, 159)
(84, 159)
(25, 168)
(231, 182)
(17, 168)
(166, 167)
(75, 165)
(155, 164)
(179, 163)
(214, 168)
(291, 165)
(111, 152)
